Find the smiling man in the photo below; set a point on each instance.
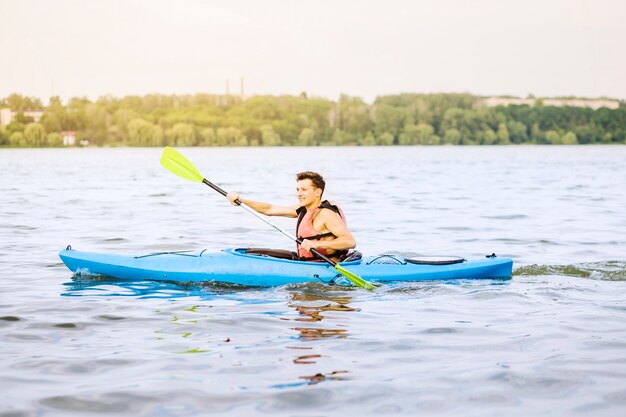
(321, 224)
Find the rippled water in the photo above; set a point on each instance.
(551, 341)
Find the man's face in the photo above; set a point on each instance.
(307, 192)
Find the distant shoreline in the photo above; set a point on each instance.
(511, 145)
(226, 120)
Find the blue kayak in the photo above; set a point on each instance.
(251, 268)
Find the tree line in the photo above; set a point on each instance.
(219, 120)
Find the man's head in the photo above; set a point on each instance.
(309, 187)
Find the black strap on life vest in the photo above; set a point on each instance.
(318, 237)
(302, 212)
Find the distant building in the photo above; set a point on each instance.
(69, 138)
(7, 115)
(557, 102)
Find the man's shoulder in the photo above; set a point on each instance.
(328, 213)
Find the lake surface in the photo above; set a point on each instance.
(550, 341)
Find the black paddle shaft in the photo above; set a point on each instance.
(215, 187)
(298, 240)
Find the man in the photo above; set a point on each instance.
(321, 224)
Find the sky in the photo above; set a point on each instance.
(548, 48)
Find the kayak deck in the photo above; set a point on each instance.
(235, 266)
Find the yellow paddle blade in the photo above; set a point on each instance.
(355, 279)
(177, 164)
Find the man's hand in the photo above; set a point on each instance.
(308, 244)
(232, 197)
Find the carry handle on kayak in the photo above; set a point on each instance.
(177, 164)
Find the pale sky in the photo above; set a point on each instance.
(322, 47)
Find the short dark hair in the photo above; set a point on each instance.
(316, 179)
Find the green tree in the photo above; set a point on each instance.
(95, 125)
(208, 137)
(570, 139)
(426, 134)
(182, 134)
(54, 116)
(120, 120)
(385, 139)
(452, 137)
(35, 135)
(55, 139)
(222, 137)
(421, 111)
(306, 137)
(517, 132)
(536, 134)
(390, 119)
(353, 115)
(269, 136)
(587, 133)
(17, 139)
(14, 126)
(239, 139)
(231, 136)
(51, 122)
(503, 134)
(20, 103)
(143, 133)
(469, 123)
(340, 138)
(409, 136)
(553, 137)
(367, 140)
(489, 137)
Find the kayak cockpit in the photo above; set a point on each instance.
(269, 253)
(286, 255)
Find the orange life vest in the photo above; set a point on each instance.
(305, 230)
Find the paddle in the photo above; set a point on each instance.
(177, 164)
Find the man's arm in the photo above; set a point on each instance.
(264, 208)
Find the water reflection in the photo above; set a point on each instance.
(331, 376)
(306, 359)
(307, 333)
(312, 305)
(92, 285)
(199, 329)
